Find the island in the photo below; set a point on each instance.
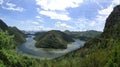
(53, 39)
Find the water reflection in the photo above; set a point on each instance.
(29, 48)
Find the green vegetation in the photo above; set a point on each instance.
(53, 39)
(10, 58)
(19, 36)
(6, 40)
(8, 55)
(101, 51)
(84, 35)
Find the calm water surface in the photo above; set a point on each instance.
(29, 48)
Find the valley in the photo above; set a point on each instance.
(58, 47)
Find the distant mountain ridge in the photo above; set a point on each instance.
(83, 35)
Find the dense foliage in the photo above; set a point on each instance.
(6, 40)
(8, 55)
(53, 39)
(19, 36)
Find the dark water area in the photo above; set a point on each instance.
(29, 48)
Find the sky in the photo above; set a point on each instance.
(43, 15)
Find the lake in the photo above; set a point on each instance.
(29, 48)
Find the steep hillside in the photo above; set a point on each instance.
(53, 39)
(19, 37)
(103, 50)
(3, 26)
(112, 28)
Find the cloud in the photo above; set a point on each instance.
(35, 28)
(115, 2)
(31, 28)
(96, 23)
(37, 23)
(29, 22)
(63, 25)
(58, 4)
(38, 17)
(99, 20)
(97, 3)
(57, 9)
(31, 25)
(55, 15)
(109, 9)
(1, 2)
(81, 23)
(92, 24)
(106, 11)
(11, 6)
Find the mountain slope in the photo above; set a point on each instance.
(53, 39)
(3, 26)
(19, 37)
(103, 50)
(112, 28)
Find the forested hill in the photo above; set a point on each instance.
(19, 37)
(53, 39)
(103, 50)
